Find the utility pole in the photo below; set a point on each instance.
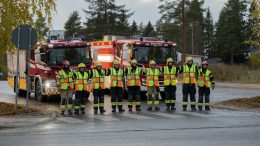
(183, 44)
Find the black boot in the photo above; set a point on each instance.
(101, 110)
(113, 109)
(157, 108)
(149, 108)
(138, 108)
(168, 108)
(184, 107)
(200, 108)
(130, 108)
(69, 112)
(83, 111)
(120, 108)
(62, 113)
(207, 108)
(76, 112)
(193, 108)
(95, 110)
(173, 107)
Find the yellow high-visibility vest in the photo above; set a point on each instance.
(189, 74)
(98, 81)
(204, 79)
(152, 77)
(65, 81)
(133, 79)
(116, 78)
(81, 82)
(169, 76)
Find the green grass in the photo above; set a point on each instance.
(235, 74)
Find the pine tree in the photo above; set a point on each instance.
(149, 30)
(73, 25)
(134, 28)
(230, 32)
(208, 33)
(141, 29)
(105, 17)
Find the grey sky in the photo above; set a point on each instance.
(144, 10)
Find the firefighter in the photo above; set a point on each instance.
(170, 79)
(81, 78)
(66, 86)
(152, 83)
(98, 87)
(133, 83)
(116, 86)
(190, 73)
(205, 82)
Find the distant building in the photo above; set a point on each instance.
(56, 34)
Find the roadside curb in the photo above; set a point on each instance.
(226, 107)
(50, 118)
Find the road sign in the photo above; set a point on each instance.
(24, 37)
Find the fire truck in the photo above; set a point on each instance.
(46, 60)
(124, 49)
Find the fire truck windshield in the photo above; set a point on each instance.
(75, 55)
(158, 53)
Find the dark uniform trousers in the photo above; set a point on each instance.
(133, 96)
(98, 99)
(189, 89)
(117, 97)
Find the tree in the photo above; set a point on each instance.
(73, 25)
(253, 24)
(134, 29)
(230, 32)
(141, 28)
(196, 29)
(149, 30)
(105, 17)
(41, 28)
(13, 13)
(208, 33)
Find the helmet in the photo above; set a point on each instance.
(98, 64)
(204, 62)
(66, 62)
(133, 61)
(81, 65)
(116, 62)
(169, 60)
(152, 62)
(189, 59)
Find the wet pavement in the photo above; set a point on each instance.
(216, 127)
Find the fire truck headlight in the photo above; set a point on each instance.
(47, 84)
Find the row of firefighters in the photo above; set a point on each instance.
(69, 82)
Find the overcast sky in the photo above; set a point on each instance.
(144, 10)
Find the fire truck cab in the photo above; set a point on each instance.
(45, 62)
(142, 49)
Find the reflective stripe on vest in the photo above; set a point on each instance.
(204, 79)
(81, 82)
(189, 74)
(152, 78)
(98, 81)
(169, 76)
(133, 79)
(65, 80)
(116, 77)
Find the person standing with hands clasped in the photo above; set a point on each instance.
(205, 82)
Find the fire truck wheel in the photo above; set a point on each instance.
(143, 95)
(38, 92)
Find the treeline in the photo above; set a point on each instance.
(187, 22)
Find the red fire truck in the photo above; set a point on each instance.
(46, 60)
(142, 49)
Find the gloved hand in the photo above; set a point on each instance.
(213, 85)
(157, 89)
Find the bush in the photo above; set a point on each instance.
(235, 73)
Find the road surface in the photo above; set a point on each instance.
(217, 127)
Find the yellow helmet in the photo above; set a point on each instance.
(133, 61)
(189, 59)
(152, 62)
(98, 64)
(81, 65)
(116, 62)
(169, 60)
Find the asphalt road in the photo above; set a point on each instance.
(217, 127)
